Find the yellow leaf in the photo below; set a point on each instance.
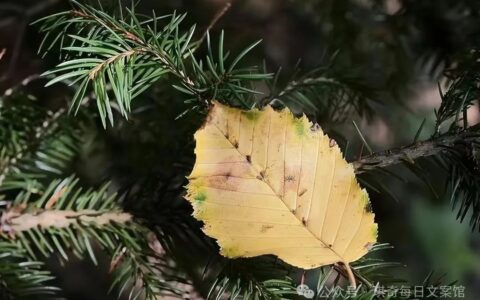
(265, 182)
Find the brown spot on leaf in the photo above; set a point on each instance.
(249, 158)
(302, 192)
(265, 228)
(290, 178)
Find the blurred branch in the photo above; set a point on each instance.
(47, 129)
(215, 19)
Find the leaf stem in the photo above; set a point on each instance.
(351, 277)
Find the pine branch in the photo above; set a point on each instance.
(36, 137)
(20, 276)
(19, 223)
(34, 142)
(131, 53)
(323, 93)
(454, 146)
(65, 220)
(409, 154)
(456, 153)
(463, 90)
(256, 278)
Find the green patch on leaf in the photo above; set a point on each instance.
(299, 127)
(200, 197)
(252, 115)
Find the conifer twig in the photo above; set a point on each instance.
(411, 152)
(63, 219)
(40, 132)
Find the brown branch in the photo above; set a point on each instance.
(93, 73)
(15, 221)
(412, 152)
(128, 35)
(143, 48)
(214, 21)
